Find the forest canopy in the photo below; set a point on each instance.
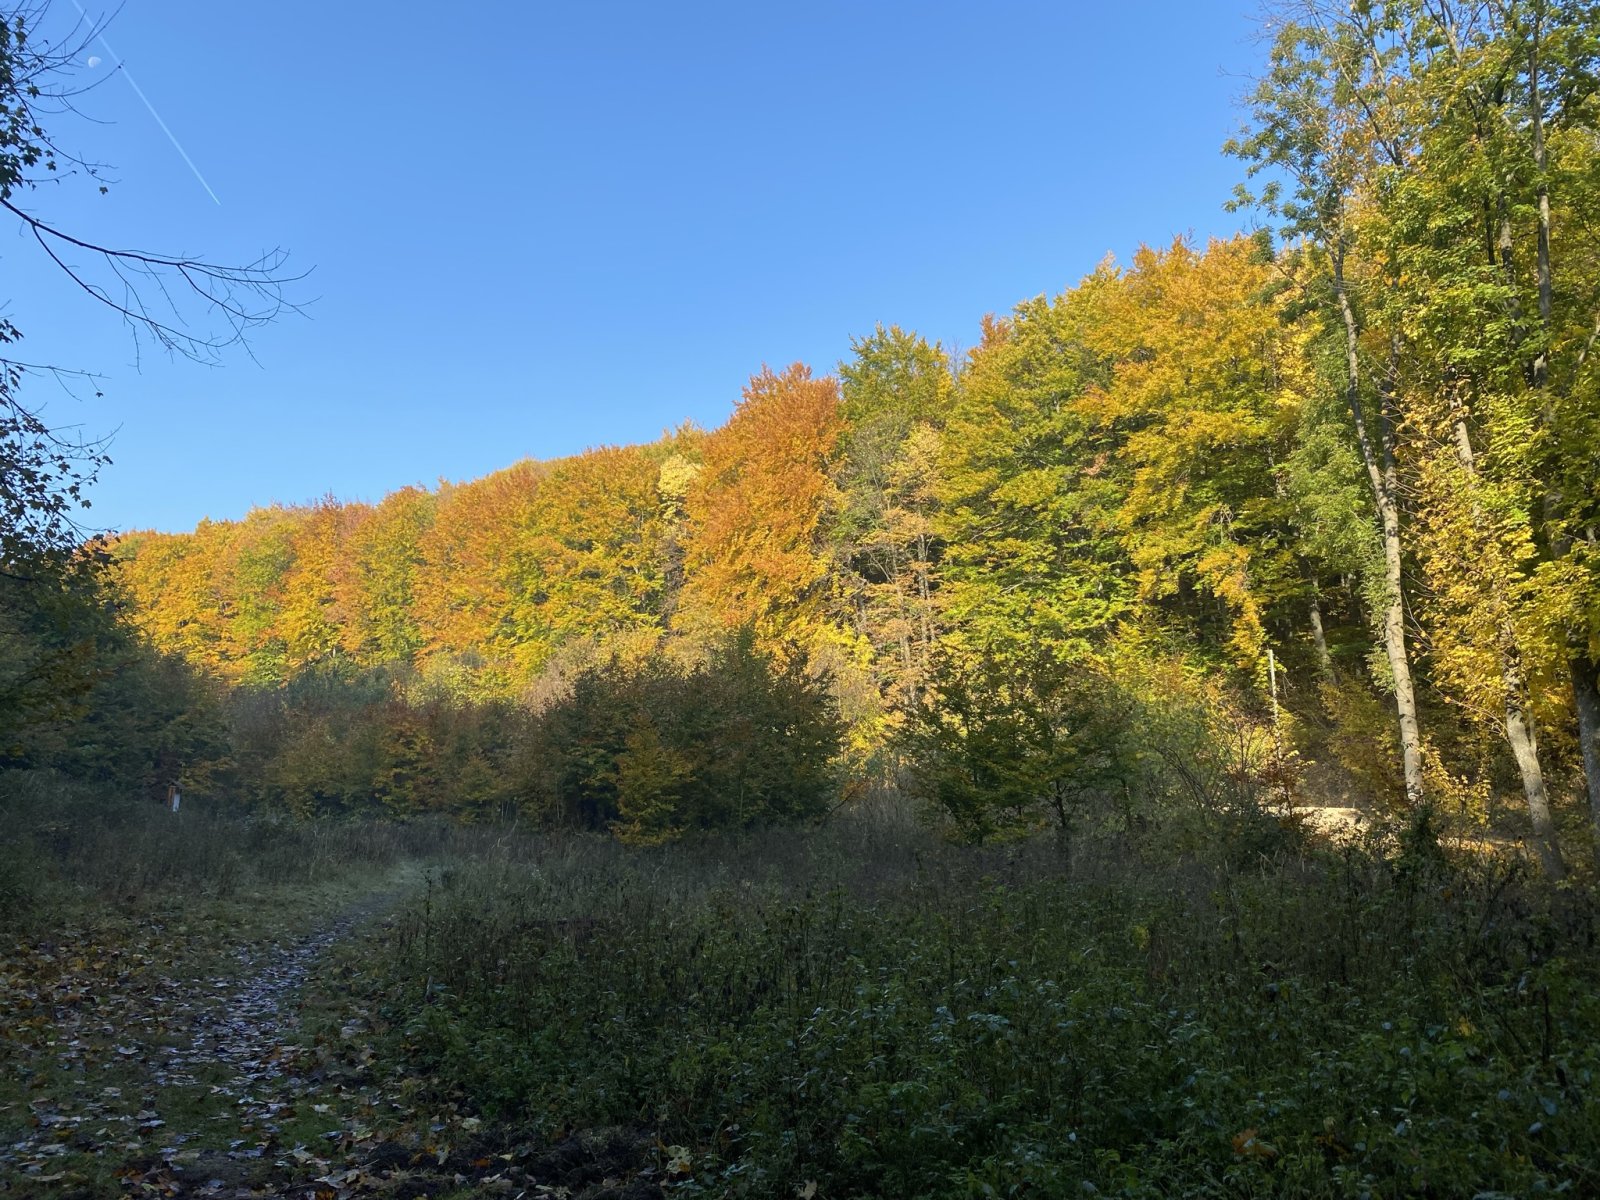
(1309, 510)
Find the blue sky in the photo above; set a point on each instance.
(536, 227)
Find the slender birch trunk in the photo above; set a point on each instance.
(1381, 477)
(1525, 748)
(1319, 639)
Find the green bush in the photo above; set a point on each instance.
(652, 752)
(1008, 747)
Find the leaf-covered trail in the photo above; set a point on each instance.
(243, 1040)
(156, 1055)
(151, 1059)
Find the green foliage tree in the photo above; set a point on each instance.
(1010, 747)
(1436, 157)
(652, 752)
(1324, 126)
(1032, 553)
(895, 394)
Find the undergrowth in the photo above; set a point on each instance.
(863, 1012)
(67, 846)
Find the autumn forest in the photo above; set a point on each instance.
(1358, 443)
(962, 659)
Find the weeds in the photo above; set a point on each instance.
(63, 845)
(874, 1014)
(1214, 1008)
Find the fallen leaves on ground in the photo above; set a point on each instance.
(140, 1058)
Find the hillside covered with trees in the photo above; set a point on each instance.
(1307, 512)
(904, 788)
(1325, 494)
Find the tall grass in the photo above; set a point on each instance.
(867, 1010)
(62, 841)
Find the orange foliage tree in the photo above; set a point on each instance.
(754, 553)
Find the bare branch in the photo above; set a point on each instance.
(237, 298)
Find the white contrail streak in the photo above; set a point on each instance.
(139, 92)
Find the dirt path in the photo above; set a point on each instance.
(169, 1082)
(251, 1018)
(136, 1076)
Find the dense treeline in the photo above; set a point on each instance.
(1322, 496)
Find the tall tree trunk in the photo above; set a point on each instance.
(1320, 640)
(1380, 475)
(1519, 727)
(1586, 698)
(1541, 362)
(1581, 668)
(1525, 748)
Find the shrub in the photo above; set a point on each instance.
(651, 752)
(1005, 748)
(977, 1022)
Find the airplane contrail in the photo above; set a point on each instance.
(139, 92)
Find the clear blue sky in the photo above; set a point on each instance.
(539, 227)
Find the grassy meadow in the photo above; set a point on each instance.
(856, 1009)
